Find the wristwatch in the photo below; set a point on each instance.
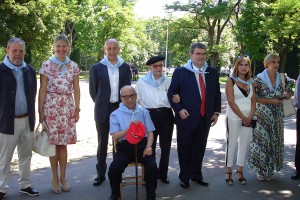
(217, 113)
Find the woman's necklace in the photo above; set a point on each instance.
(246, 88)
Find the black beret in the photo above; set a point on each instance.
(155, 59)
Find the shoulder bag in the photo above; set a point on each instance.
(288, 107)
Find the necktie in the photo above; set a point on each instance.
(203, 95)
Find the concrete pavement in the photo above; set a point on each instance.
(81, 169)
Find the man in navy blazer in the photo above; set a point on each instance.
(193, 121)
(107, 77)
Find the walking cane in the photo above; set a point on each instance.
(136, 174)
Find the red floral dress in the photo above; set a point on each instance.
(59, 106)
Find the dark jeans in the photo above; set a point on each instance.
(126, 154)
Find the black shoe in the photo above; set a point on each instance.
(165, 180)
(2, 195)
(30, 191)
(201, 182)
(296, 175)
(184, 184)
(114, 197)
(98, 181)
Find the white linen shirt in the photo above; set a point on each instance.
(153, 97)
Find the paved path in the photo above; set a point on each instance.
(81, 169)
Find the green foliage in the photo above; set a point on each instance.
(35, 22)
(228, 27)
(269, 26)
(211, 18)
(250, 29)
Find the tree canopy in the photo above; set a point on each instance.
(229, 28)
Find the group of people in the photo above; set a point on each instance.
(193, 94)
(117, 105)
(58, 108)
(255, 118)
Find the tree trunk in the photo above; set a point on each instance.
(282, 61)
(213, 59)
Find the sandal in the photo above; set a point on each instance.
(65, 186)
(241, 179)
(260, 177)
(228, 179)
(269, 178)
(56, 188)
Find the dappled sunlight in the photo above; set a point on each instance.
(268, 192)
(286, 193)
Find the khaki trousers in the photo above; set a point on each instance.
(22, 139)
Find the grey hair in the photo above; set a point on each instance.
(127, 87)
(15, 40)
(112, 40)
(198, 45)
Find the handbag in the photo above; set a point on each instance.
(41, 143)
(288, 106)
(252, 123)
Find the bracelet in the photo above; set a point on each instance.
(77, 109)
(148, 147)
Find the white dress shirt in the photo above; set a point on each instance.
(197, 78)
(114, 84)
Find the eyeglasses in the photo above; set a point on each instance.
(126, 97)
(200, 54)
(155, 66)
(245, 56)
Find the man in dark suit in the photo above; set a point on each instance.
(198, 110)
(107, 77)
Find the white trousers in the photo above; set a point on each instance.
(22, 138)
(236, 134)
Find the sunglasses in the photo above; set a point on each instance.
(245, 56)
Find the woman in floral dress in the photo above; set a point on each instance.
(266, 146)
(59, 100)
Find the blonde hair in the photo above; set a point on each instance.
(240, 59)
(270, 58)
(61, 37)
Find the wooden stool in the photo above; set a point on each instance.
(131, 180)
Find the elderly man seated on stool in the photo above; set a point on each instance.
(120, 120)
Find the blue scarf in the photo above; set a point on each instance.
(189, 66)
(149, 78)
(265, 78)
(132, 112)
(106, 62)
(248, 82)
(17, 70)
(60, 64)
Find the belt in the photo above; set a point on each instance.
(21, 116)
(126, 142)
(159, 109)
(114, 104)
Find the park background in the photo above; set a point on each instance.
(229, 28)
